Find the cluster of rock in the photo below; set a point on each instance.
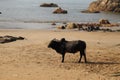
(89, 26)
(104, 5)
(96, 28)
(6, 39)
(86, 27)
(59, 10)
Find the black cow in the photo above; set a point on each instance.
(62, 46)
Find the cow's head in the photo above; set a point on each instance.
(52, 43)
(55, 43)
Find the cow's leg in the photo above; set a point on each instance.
(85, 57)
(80, 57)
(82, 53)
(63, 55)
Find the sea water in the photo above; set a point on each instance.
(28, 13)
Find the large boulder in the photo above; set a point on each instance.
(61, 27)
(105, 5)
(48, 5)
(0, 12)
(71, 26)
(60, 11)
(104, 21)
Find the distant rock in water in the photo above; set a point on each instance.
(105, 5)
(48, 5)
(0, 12)
(60, 11)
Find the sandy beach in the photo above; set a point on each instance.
(30, 59)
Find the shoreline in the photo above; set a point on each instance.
(37, 25)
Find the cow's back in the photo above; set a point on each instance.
(82, 44)
(74, 46)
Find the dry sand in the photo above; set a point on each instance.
(30, 59)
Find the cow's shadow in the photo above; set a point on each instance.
(90, 62)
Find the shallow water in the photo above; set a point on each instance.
(16, 12)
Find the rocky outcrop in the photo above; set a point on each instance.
(6, 39)
(60, 11)
(0, 12)
(48, 5)
(105, 5)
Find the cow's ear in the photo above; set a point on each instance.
(63, 39)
